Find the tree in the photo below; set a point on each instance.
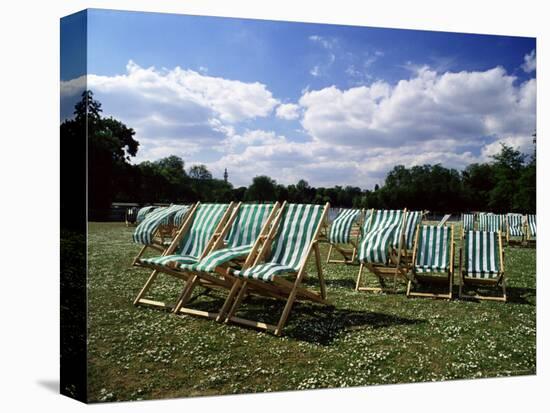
(110, 146)
(262, 189)
(199, 172)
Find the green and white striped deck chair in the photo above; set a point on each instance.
(490, 222)
(201, 229)
(156, 230)
(382, 242)
(433, 256)
(515, 228)
(483, 263)
(142, 213)
(531, 227)
(130, 216)
(293, 237)
(248, 225)
(468, 222)
(340, 234)
(149, 227)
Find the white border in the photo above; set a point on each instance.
(29, 162)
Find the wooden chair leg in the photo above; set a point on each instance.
(286, 311)
(504, 288)
(237, 302)
(186, 293)
(329, 253)
(320, 272)
(229, 300)
(358, 283)
(146, 287)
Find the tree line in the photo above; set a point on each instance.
(507, 183)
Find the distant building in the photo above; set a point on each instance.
(225, 175)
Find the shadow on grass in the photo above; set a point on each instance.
(321, 324)
(309, 322)
(516, 295)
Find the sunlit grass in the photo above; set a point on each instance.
(142, 353)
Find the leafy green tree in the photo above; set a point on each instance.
(199, 172)
(262, 189)
(111, 144)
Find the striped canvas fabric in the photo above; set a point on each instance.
(515, 225)
(340, 230)
(143, 212)
(145, 231)
(295, 233)
(482, 255)
(243, 233)
(205, 221)
(381, 233)
(433, 249)
(412, 221)
(532, 224)
(180, 215)
(490, 222)
(468, 222)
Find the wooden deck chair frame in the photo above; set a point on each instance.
(161, 233)
(279, 288)
(348, 254)
(434, 277)
(497, 281)
(187, 223)
(393, 270)
(220, 278)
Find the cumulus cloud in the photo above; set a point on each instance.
(174, 110)
(529, 62)
(353, 136)
(454, 107)
(288, 111)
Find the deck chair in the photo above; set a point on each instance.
(483, 263)
(468, 222)
(279, 266)
(342, 233)
(433, 256)
(531, 221)
(142, 213)
(444, 220)
(515, 228)
(130, 216)
(375, 249)
(249, 225)
(156, 230)
(491, 222)
(200, 230)
(387, 248)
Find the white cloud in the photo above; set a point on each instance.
(174, 110)
(288, 111)
(315, 71)
(529, 62)
(230, 100)
(325, 42)
(429, 106)
(352, 136)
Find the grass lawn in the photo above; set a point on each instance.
(142, 353)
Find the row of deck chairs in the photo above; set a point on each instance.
(396, 245)
(240, 249)
(517, 228)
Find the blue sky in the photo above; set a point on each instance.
(333, 104)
